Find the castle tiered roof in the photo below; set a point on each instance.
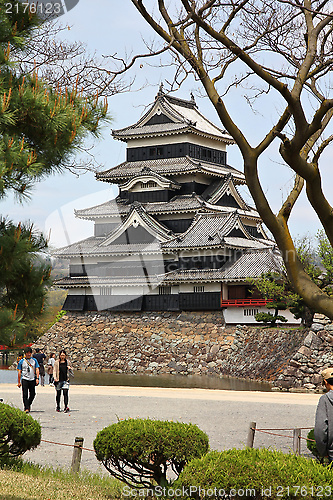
(175, 116)
(215, 230)
(168, 166)
(178, 204)
(179, 219)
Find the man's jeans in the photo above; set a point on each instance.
(28, 392)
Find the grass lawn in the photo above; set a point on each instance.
(25, 481)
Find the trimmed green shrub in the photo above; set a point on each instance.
(311, 445)
(255, 474)
(19, 432)
(266, 318)
(139, 451)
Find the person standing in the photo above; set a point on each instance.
(323, 430)
(50, 367)
(28, 378)
(61, 371)
(40, 356)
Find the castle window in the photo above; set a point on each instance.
(206, 153)
(164, 290)
(250, 312)
(106, 290)
(154, 152)
(147, 185)
(198, 289)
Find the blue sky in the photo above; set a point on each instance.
(109, 26)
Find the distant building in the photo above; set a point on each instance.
(179, 236)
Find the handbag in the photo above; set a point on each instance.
(49, 369)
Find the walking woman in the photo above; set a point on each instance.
(61, 371)
(50, 366)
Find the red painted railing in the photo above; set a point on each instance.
(244, 302)
(11, 348)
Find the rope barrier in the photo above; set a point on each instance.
(272, 433)
(264, 431)
(296, 437)
(64, 444)
(307, 439)
(302, 428)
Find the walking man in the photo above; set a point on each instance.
(28, 378)
(323, 430)
(40, 356)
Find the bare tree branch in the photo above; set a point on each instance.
(286, 48)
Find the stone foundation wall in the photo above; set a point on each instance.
(187, 343)
(193, 343)
(313, 355)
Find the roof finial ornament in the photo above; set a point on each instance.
(160, 90)
(192, 97)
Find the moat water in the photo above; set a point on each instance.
(186, 381)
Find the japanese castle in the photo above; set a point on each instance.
(179, 236)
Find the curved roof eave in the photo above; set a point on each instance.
(109, 254)
(182, 130)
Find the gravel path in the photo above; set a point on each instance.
(224, 415)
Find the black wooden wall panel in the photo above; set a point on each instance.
(171, 302)
(200, 301)
(176, 151)
(74, 303)
(161, 302)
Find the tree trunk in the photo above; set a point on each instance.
(307, 318)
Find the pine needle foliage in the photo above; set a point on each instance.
(24, 278)
(41, 130)
(40, 127)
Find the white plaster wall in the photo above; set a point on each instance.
(175, 216)
(130, 290)
(155, 290)
(176, 139)
(77, 291)
(209, 287)
(117, 258)
(112, 219)
(86, 260)
(235, 315)
(201, 178)
(137, 188)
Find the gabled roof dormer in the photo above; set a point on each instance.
(137, 218)
(220, 192)
(148, 177)
(210, 230)
(170, 115)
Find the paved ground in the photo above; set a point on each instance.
(224, 415)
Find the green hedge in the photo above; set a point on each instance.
(255, 474)
(19, 432)
(139, 452)
(311, 445)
